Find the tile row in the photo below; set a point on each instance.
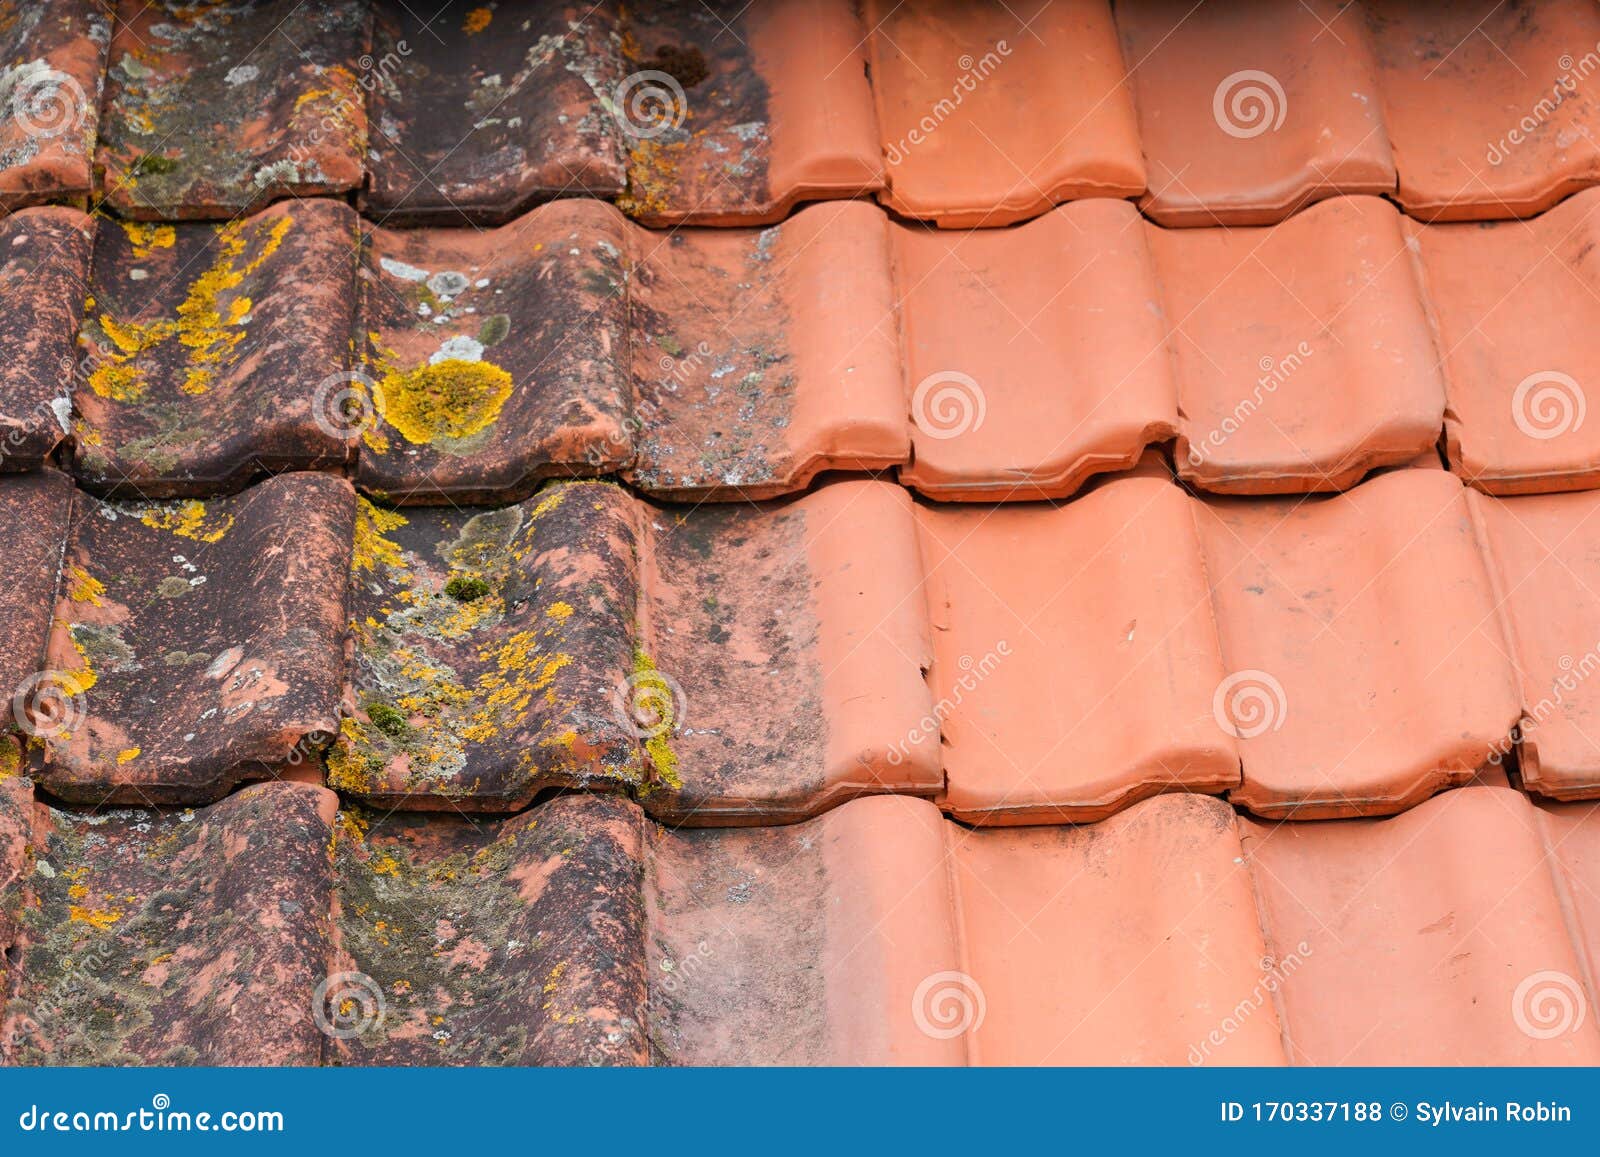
(684, 112)
(461, 366)
(274, 928)
(1022, 663)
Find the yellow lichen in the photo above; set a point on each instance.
(372, 549)
(188, 520)
(448, 399)
(127, 755)
(83, 587)
(477, 20)
(98, 918)
(148, 236)
(560, 612)
(657, 742)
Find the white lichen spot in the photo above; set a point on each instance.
(242, 74)
(401, 270)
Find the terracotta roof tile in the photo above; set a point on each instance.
(1303, 352)
(54, 54)
(1426, 938)
(1485, 113)
(1366, 668)
(1249, 111)
(34, 508)
(473, 119)
(1511, 302)
(731, 663)
(44, 267)
(199, 643)
(212, 354)
(949, 79)
(1075, 655)
(171, 937)
(1545, 552)
(214, 112)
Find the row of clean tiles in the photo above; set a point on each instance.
(960, 112)
(465, 366)
(751, 664)
(273, 928)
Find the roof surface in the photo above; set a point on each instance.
(808, 533)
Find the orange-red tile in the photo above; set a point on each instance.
(1488, 107)
(1365, 664)
(55, 59)
(1250, 110)
(1437, 937)
(35, 510)
(1075, 655)
(1033, 356)
(990, 113)
(1514, 304)
(1303, 353)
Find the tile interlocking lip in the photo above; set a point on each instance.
(35, 509)
(50, 86)
(199, 643)
(212, 112)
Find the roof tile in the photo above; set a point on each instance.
(198, 644)
(214, 112)
(55, 53)
(949, 79)
(1075, 655)
(214, 353)
(474, 119)
(1423, 939)
(1366, 668)
(35, 509)
(1229, 143)
(1303, 352)
(44, 270)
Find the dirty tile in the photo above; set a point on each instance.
(1436, 937)
(1250, 110)
(477, 111)
(1544, 552)
(763, 357)
(734, 113)
(1365, 666)
(52, 65)
(949, 79)
(1514, 302)
(213, 354)
(35, 510)
(1488, 112)
(520, 942)
(173, 938)
(1303, 353)
(197, 644)
(44, 271)
(1033, 356)
(212, 111)
(1075, 655)
(496, 358)
(487, 646)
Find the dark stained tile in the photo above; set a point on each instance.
(52, 65)
(212, 354)
(495, 359)
(212, 111)
(476, 111)
(44, 273)
(35, 510)
(197, 644)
